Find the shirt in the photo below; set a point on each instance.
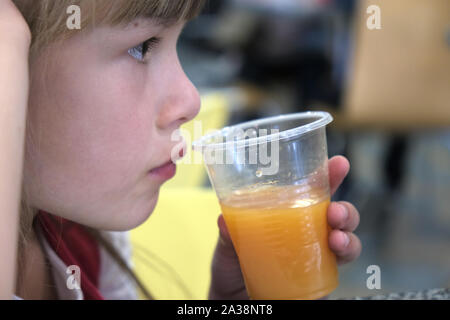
(101, 277)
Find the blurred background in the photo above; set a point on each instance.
(388, 90)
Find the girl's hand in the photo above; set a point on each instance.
(14, 29)
(227, 281)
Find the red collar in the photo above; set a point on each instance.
(74, 246)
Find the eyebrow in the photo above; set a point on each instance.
(142, 24)
(151, 21)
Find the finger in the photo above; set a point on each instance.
(345, 245)
(224, 236)
(223, 228)
(343, 215)
(338, 168)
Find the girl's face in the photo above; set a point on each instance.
(101, 118)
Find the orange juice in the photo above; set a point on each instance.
(281, 238)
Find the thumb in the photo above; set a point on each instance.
(227, 281)
(224, 235)
(225, 261)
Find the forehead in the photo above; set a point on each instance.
(166, 12)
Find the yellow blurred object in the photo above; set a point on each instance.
(181, 235)
(173, 249)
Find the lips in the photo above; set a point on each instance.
(180, 155)
(168, 169)
(164, 172)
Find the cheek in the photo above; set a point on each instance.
(89, 142)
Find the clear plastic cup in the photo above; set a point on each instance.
(271, 179)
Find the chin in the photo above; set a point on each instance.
(134, 218)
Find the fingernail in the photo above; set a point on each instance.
(346, 239)
(345, 211)
(222, 241)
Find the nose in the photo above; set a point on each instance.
(181, 103)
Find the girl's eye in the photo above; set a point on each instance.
(139, 52)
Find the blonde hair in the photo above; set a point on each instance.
(47, 22)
